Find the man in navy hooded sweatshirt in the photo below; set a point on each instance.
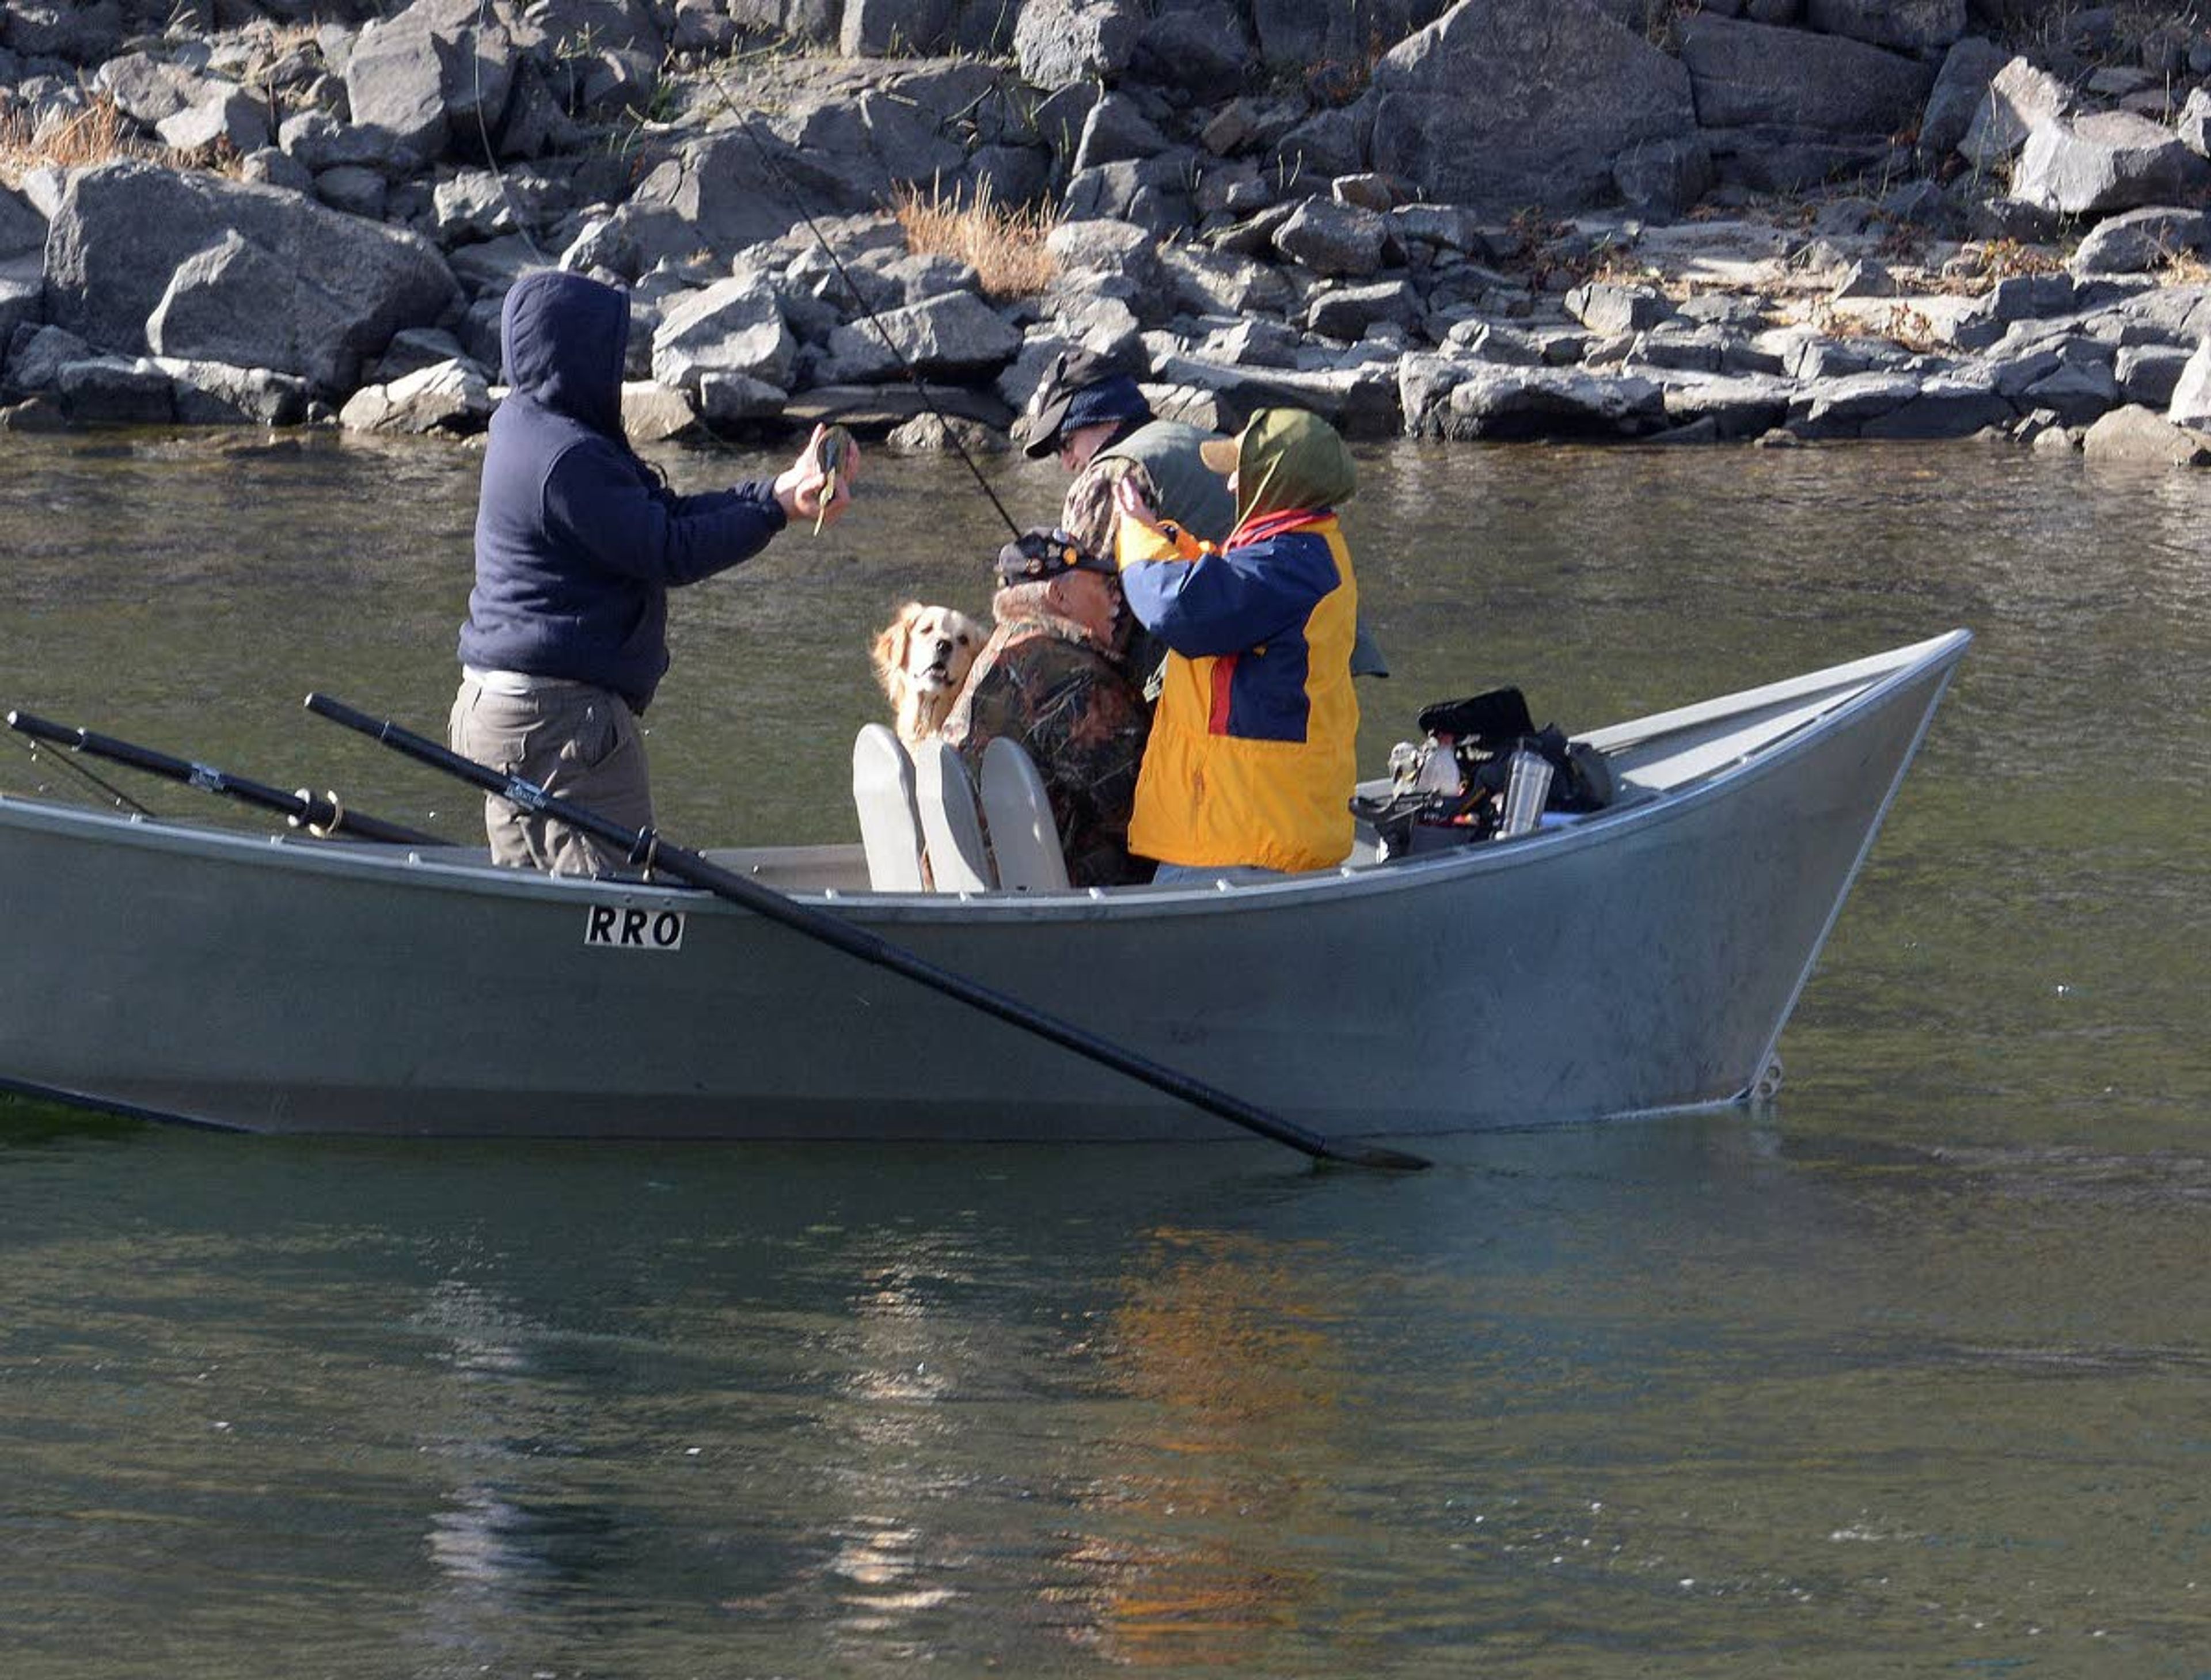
(577, 543)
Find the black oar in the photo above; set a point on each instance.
(319, 816)
(645, 847)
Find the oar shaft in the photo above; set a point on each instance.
(303, 808)
(643, 845)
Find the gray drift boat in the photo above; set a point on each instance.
(1641, 958)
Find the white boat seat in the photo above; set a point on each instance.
(1024, 839)
(951, 824)
(890, 819)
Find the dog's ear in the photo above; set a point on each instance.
(889, 652)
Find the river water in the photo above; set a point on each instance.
(1907, 1372)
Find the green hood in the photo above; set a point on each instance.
(1288, 459)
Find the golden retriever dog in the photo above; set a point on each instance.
(921, 658)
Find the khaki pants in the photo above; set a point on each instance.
(571, 739)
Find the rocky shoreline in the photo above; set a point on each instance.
(1768, 221)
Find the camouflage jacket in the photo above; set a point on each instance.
(1044, 682)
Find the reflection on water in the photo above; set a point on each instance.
(1697, 1392)
(1904, 1372)
(491, 1552)
(1225, 1341)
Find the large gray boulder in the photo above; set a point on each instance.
(116, 391)
(1523, 403)
(829, 151)
(1770, 157)
(2135, 436)
(145, 89)
(2149, 374)
(1755, 75)
(1220, 283)
(452, 397)
(1961, 88)
(254, 276)
(732, 327)
(576, 28)
(2194, 123)
(1609, 308)
(2019, 97)
(1106, 246)
(221, 115)
(1361, 401)
(1839, 408)
(1117, 131)
(1327, 144)
(957, 336)
(1510, 103)
(317, 141)
(1945, 407)
(213, 393)
(2191, 404)
(82, 31)
(1663, 178)
(2105, 161)
(1342, 241)
(2140, 241)
(36, 364)
(1736, 406)
(1060, 43)
(436, 64)
(1203, 48)
(1348, 312)
(896, 28)
(717, 195)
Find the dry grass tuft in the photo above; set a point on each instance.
(1005, 247)
(1899, 323)
(94, 134)
(2008, 259)
(2185, 267)
(98, 134)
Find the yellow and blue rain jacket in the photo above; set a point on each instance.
(1253, 750)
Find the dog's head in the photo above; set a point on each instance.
(926, 650)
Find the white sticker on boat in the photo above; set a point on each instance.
(628, 929)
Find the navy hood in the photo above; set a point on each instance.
(565, 339)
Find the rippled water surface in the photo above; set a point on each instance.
(1908, 1372)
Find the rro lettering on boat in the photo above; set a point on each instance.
(629, 929)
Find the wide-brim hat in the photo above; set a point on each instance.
(1081, 388)
(1222, 454)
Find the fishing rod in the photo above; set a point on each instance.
(100, 782)
(913, 377)
(484, 21)
(324, 818)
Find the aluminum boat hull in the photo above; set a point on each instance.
(1644, 958)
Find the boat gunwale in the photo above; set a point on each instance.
(423, 867)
